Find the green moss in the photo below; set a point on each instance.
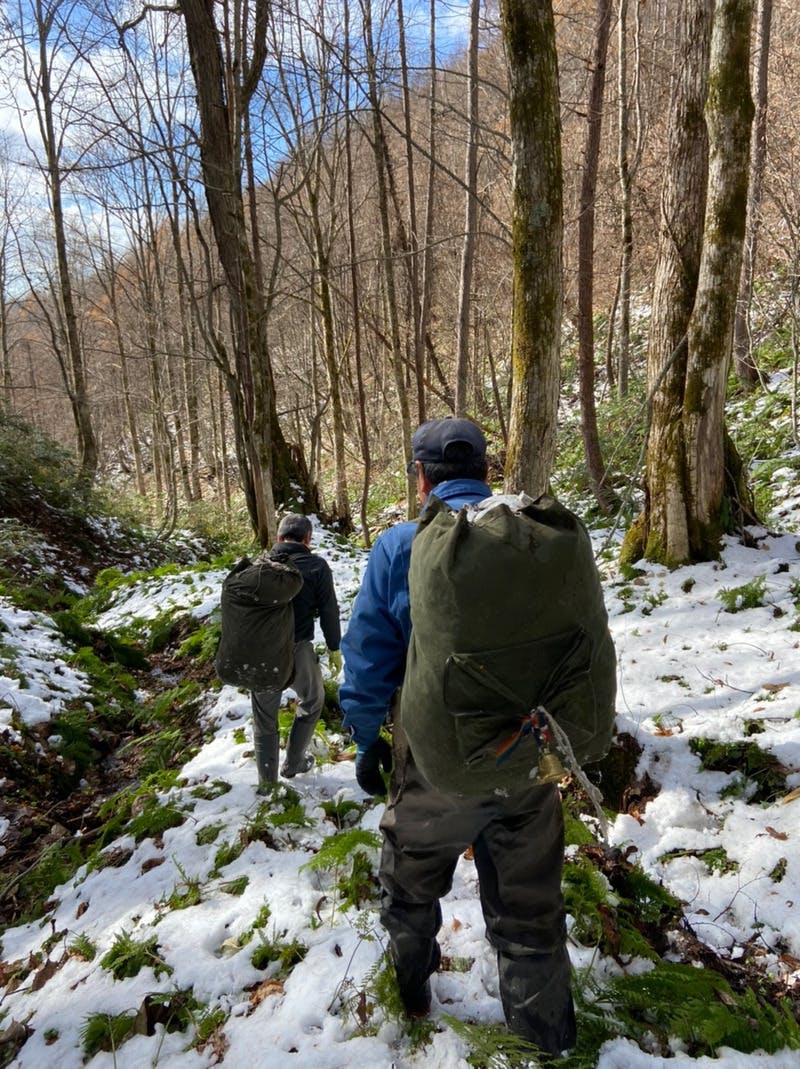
(759, 776)
(284, 955)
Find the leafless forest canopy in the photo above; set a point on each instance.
(352, 128)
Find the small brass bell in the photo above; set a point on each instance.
(550, 768)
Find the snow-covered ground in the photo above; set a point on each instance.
(688, 668)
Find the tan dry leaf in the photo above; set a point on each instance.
(792, 796)
(456, 924)
(773, 688)
(265, 990)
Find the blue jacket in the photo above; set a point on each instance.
(376, 641)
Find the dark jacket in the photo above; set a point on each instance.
(316, 597)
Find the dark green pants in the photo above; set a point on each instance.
(518, 844)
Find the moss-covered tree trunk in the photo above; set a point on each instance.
(729, 114)
(529, 35)
(688, 502)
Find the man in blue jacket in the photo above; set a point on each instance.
(517, 839)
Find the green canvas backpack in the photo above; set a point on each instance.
(256, 646)
(509, 637)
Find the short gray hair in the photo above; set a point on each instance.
(294, 527)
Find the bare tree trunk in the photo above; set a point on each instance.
(662, 532)
(6, 215)
(627, 164)
(470, 216)
(427, 260)
(380, 150)
(498, 399)
(355, 298)
(188, 379)
(529, 33)
(746, 370)
(40, 86)
(729, 114)
(591, 438)
(108, 275)
(224, 90)
(694, 483)
(413, 233)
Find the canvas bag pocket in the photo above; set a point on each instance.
(490, 692)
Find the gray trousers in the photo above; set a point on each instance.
(518, 844)
(307, 685)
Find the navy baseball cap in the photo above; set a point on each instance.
(431, 441)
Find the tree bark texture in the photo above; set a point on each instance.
(41, 89)
(381, 153)
(664, 533)
(470, 217)
(591, 157)
(729, 114)
(262, 453)
(746, 369)
(693, 477)
(529, 35)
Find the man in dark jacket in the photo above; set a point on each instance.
(517, 838)
(316, 597)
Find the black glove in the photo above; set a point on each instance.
(368, 764)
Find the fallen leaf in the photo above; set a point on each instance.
(773, 688)
(49, 969)
(362, 1009)
(776, 834)
(456, 924)
(265, 990)
(792, 796)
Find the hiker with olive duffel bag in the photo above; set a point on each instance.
(256, 646)
(510, 661)
(269, 612)
(481, 629)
